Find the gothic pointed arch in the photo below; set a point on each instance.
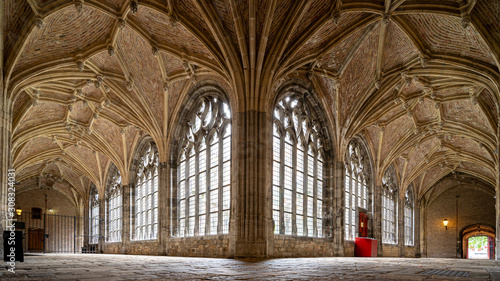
(409, 213)
(301, 151)
(144, 184)
(113, 205)
(93, 214)
(358, 185)
(201, 165)
(390, 206)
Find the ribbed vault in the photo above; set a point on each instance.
(418, 80)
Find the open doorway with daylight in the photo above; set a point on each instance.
(478, 242)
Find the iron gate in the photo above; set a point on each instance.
(49, 233)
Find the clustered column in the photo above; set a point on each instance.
(252, 189)
(125, 218)
(401, 225)
(338, 211)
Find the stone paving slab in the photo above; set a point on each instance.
(88, 267)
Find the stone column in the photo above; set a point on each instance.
(377, 218)
(423, 227)
(163, 204)
(125, 219)
(102, 225)
(416, 229)
(497, 208)
(5, 134)
(338, 208)
(401, 226)
(86, 224)
(497, 197)
(251, 194)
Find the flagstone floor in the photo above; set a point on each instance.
(133, 267)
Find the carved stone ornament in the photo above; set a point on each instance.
(78, 5)
(39, 22)
(134, 7)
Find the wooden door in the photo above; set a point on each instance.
(35, 239)
(363, 225)
(491, 248)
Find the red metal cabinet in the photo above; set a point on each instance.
(365, 247)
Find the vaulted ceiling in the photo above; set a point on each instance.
(418, 79)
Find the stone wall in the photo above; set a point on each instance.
(291, 246)
(113, 248)
(474, 206)
(410, 251)
(349, 248)
(390, 250)
(143, 248)
(204, 246)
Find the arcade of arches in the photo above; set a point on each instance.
(255, 128)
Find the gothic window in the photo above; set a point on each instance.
(94, 215)
(409, 218)
(146, 196)
(297, 185)
(114, 206)
(204, 170)
(389, 208)
(356, 190)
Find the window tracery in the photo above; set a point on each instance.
(114, 206)
(146, 196)
(356, 184)
(203, 196)
(389, 207)
(298, 159)
(94, 215)
(409, 216)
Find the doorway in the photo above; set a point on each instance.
(478, 242)
(35, 239)
(478, 248)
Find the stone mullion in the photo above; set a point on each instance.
(186, 200)
(306, 189)
(304, 192)
(356, 204)
(208, 223)
(196, 191)
(315, 195)
(219, 187)
(352, 205)
(125, 219)
(208, 159)
(294, 188)
(133, 208)
(282, 184)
